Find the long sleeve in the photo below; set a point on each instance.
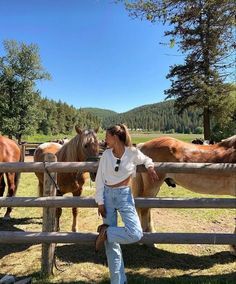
(99, 183)
(143, 159)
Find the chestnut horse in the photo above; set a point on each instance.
(82, 147)
(167, 149)
(9, 152)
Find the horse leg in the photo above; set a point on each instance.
(11, 192)
(58, 214)
(2, 184)
(149, 190)
(75, 213)
(137, 188)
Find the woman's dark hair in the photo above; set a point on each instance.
(121, 131)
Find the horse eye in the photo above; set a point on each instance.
(86, 145)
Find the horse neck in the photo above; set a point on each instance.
(71, 151)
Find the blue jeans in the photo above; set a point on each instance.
(119, 200)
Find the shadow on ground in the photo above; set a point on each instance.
(136, 256)
(11, 225)
(136, 278)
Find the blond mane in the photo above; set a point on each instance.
(72, 151)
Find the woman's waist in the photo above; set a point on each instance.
(123, 183)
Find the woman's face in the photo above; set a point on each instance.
(110, 140)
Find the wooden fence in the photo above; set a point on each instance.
(48, 237)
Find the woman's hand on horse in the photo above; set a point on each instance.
(102, 210)
(152, 174)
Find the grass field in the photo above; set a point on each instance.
(137, 137)
(160, 264)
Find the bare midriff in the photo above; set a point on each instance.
(125, 182)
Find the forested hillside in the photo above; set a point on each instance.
(58, 117)
(100, 113)
(158, 117)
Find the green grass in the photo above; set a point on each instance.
(160, 264)
(137, 137)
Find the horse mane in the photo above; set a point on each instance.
(72, 151)
(229, 142)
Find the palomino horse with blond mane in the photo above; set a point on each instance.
(82, 147)
(9, 152)
(167, 149)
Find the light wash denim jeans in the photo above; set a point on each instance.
(119, 200)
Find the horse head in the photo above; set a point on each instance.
(89, 146)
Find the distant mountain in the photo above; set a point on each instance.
(100, 113)
(153, 117)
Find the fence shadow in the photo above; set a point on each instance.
(11, 225)
(147, 257)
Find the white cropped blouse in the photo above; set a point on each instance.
(106, 173)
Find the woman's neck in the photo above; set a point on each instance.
(118, 150)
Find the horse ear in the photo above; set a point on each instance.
(78, 130)
(96, 129)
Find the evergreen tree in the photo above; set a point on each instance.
(203, 29)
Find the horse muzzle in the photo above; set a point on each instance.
(93, 159)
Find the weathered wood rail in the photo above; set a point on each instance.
(65, 167)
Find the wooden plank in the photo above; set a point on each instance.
(198, 168)
(9, 237)
(49, 217)
(87, 202)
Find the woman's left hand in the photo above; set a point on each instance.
(152, 174)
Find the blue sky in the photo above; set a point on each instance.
(97, 55)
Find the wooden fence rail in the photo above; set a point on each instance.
(148, 238)
(65, 167)
(86, 202)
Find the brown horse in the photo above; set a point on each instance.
(9, 152)
(167, 149)
(82, 147)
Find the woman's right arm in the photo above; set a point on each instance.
(99, 183)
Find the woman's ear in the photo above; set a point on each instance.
(77, 129)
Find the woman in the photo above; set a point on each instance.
(117, 165)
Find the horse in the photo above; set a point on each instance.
(168, 149)
(83, 147)
(9, 152)
(201, 141)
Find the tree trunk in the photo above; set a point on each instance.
(206, 123)
(19, 136)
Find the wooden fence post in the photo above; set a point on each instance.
(22, 153)
(49, 217)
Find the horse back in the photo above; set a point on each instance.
(46, 148)
(9, 150)
(168, 149)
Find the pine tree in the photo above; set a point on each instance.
(203, 30)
